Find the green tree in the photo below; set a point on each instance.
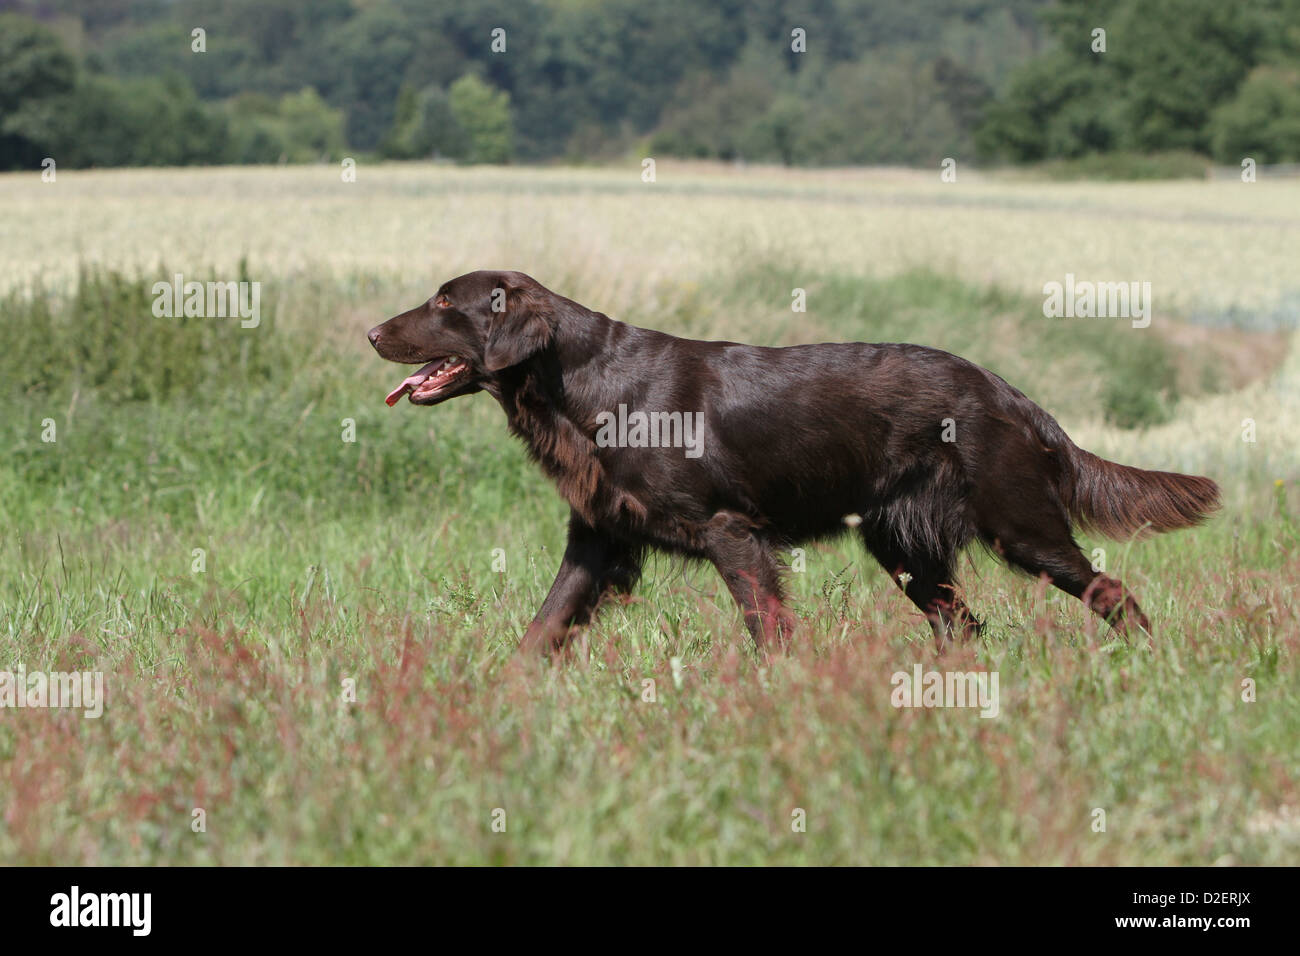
(483, 116)
(885, 109)
(1263, 120)
(728, 119)
(398, 141)
(138, 122)
(36, 73)
(777, 133)
(257, 134)
(424, 126)
(1165, 69)
(314, 129)
(1059, 105)
(368, 55)
(1178, 59)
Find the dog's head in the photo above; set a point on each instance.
(473, 329)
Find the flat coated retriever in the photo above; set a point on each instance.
(729, 452)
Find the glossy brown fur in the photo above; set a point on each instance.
(796, 440)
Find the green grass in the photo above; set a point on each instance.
(1133, 380)
(372, 561)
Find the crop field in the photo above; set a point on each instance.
(304, 605)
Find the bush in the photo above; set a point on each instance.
(1057, 106)
(103, 338)
(300, 127)
(1263, 120)
(1122, 166)
(482, 113)
(106, 121)
(36, 73)
(424, 126)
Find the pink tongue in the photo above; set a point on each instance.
(411, 381)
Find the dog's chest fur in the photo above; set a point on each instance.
(570, 458)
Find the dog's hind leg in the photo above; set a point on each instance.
(594, 565)
(750, 572)
(1046, 546)
(928, 583)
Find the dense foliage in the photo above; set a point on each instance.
(120, 82)
(1200, 75)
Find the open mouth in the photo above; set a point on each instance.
(431, 379)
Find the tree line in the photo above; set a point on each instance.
(830, 82)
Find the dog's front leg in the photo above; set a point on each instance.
(594, 564)
(746, 565)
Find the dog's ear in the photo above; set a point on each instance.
(522, 324)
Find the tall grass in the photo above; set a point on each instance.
(374, 562)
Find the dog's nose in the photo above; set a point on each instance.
(373, 335)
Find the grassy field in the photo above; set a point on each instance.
(329, 564)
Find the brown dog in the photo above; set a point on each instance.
(729, 452)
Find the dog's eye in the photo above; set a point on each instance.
(442, 302)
